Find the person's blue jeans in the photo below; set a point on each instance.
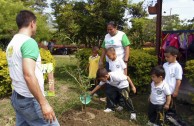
(28, 112)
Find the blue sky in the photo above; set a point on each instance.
(185, 8)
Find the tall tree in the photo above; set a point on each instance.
(85, 21)
(38, 5)
(8, 25)
(137, 10)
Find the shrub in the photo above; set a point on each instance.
(189, 71)
(5, 81)
(46, 57)
(139, 67)
(151, 51)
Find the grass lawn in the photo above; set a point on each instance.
(66, 104)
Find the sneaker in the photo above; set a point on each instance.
(150, 123)
(95, 95)
(119, 108)
(108, 110)
(103, 99)
(133, 116)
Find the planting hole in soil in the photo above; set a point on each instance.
(82, 116)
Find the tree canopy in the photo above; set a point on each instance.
(8, 26)
(85, 21)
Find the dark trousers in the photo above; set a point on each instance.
(156, 114)
(172, 107)
(120, 97)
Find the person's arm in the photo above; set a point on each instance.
(32, 83)
(95, 89)
(176, 91)
(178, 76)
(126, 43)
(124, 66)
(131, 84)
(167, 104)
(102, 57)
(127, 51)
(30, 53)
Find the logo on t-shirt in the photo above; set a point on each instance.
(10, 51)
(117, 66)
(110, 42)
(172, 75)
(159, 92)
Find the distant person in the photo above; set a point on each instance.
(119, 84)
(159, 98)
(24, 61)
(93, 65)
(174, 74)
(50, 46)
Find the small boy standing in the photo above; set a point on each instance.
(119, 87)
(160, 97)
(173, 72)
(115, 64)
(93, 64)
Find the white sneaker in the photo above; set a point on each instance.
(119, 108)
(150, 123)
(95, 95)
(108, 110)
(133, 116)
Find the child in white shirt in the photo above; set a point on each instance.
(119, 88)
(115, 63)
(160, 96)
(174, 74)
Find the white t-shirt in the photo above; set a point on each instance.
(159, 93)
(173, 72)
(117, 79)
(117, 65)
(22, 46)
(118, 42)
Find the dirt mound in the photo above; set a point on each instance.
(93, 117)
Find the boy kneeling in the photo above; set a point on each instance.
(119, 88)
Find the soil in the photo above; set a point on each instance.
(94, 117)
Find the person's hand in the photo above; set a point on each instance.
(149, 99)
(90, 93)
(175, 94)
(166, 106)
(100, 64)
(48, 112)
(134, 90)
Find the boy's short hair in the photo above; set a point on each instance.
(101, 72)
(24, 18)
(172, 50)
(158, 71)
(110, 49)
(95, 48)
